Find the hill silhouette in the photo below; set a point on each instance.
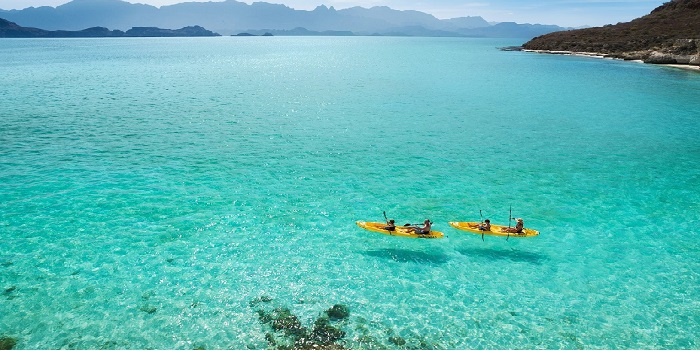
(231, 17)
(12, 30)
(669, 34)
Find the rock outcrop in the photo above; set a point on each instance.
(670, 34)
(193, 31)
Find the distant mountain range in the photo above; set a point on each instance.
(12, 30)
(231, 17)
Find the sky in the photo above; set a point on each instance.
(565, 13)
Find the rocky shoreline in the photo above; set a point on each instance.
(677, 61)
(677, 52)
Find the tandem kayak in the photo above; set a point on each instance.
(496, 230)
(400, 231)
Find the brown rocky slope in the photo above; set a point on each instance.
(670, 34)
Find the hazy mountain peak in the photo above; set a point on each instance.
(468, 22)
(233, 17)
(324, 8)
(93, 3)
(97, 4)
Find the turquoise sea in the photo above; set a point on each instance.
(159, 193)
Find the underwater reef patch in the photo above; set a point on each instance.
(7, 343)
(338, 312)
(329, 331)
(288, 333)
(150, 309)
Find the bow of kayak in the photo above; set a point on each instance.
(400, 230)
(496, 230)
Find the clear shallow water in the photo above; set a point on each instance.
(194, 176)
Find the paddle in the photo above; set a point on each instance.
(480, 227)
(510, 217)
(387, 220)
(415, 227)
(408, 224)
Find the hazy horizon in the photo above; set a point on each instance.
(565, 13)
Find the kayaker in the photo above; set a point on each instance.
(486, 226)
(518, 227)
(390, 225)
(421, 230)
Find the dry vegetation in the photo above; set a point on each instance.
(670, 30)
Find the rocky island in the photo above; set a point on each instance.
(13, 30)
(191, 31)
(670, 34)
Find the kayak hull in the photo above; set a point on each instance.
(400, 231)
(496, 230)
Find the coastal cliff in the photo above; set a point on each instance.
(670, 34)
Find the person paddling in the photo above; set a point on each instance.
(518, 227)
(486, 226)
(390, 225)
(421, 230)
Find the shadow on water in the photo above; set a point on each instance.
(399, 255)
(504, 254)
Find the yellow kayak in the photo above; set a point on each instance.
(400, 231)
(496, 230)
